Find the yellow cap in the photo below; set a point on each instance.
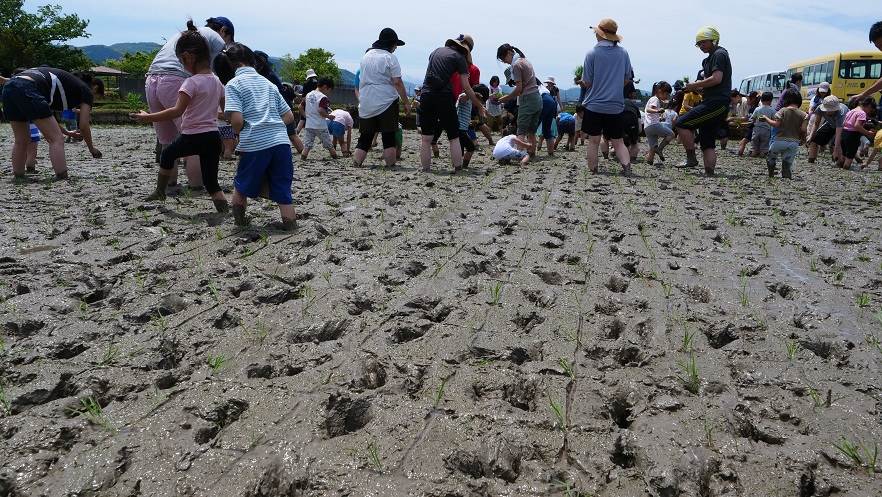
(708, 33)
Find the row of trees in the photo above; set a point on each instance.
(33, 39)
(39, 38)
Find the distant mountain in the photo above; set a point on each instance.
(100, 53)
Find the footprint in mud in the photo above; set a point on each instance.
(550, 277)
(527, 322)
(521, 394)
(617, 284)
(368, 374)
(320, 332)
(344, 415)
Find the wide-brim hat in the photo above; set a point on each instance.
(825, 87)
(388, 37)
(608, 30)
(310, 73)
(550, 80)
(464, 41)
(830, 104)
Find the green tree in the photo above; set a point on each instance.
(32, 39)
(578, 72)
(318, 59)
(133, 63)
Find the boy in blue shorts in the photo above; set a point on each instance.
(566, 125)
(259, 114)
(340, 125)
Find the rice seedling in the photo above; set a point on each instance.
(813, 264)
(111, 354)
(863, 301)
(690, 378)
(765, 247)
(259, 332)
(94, 414)
(326, 275)
(567, 367)
(558, 411)
(373, 456)
(863, 258)
(688, 339)
(859, 454)
(667, 288)
(792, 347)
(709, 429)
(495, 293)
(216, 362)
(214, 291)
(743, 294)
(159, 322)
(218, 235)
(439, 393)
(874, 342)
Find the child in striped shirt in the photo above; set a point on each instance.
(259, 114)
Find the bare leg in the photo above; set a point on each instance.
(426, 148)
(287, 212)
(390, 155)
(31, 162)
(52, 133)
(485, 130)
(456, 154)
(359, 157)
(687, 138)
(622, 153)
(194, 172)
(22, 134)
(593, 147)
(710, 160)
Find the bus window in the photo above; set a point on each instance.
(744, 89)
(778, 81)
(828, 72)
(860, 69)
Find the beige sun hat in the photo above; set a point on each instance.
(607, 29)
(464, 41)
(830, 104)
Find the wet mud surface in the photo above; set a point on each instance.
(506, 331)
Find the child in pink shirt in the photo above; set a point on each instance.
(198, 101)
(853, 129)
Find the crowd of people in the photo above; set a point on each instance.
(211, 97)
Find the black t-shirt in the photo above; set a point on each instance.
(76, 91)
(718, 60)
(443, 64)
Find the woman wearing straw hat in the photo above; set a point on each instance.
(380, 92)
(607, 69)
(526, 91)
(437, 107)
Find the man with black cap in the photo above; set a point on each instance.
(380, 92)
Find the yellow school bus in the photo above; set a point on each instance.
(848, 73)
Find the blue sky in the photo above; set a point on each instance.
(761, 35)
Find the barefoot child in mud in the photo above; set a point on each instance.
(317, 106)
(197, 105)
(259, 113)
(791, 123)
(511, 147)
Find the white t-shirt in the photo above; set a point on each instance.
(313, 102)
(651, 118)
(376, 92)
(505, 149)
(166, 62)
(671, 116)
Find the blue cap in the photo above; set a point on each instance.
(223, 22)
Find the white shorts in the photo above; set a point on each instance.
(322, 134)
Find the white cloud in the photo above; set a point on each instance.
(760, 35)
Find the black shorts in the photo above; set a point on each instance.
(824, 134)
(385, 123)
(749, 134)
(567, 128)
(632, 128)
(438, 112)
(851, 142)
(23, 102)
(707, 117)
(611, 126)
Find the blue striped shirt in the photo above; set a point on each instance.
(464, 114)
(262, 108)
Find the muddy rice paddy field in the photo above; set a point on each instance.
(505, 331)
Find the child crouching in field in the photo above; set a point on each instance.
(197, 105)
(792, 124)
(509, 148)
(855, 127)
(259, 114)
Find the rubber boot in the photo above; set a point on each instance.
(239, 215)
(162, 181)
(772, 166)
(786, 170)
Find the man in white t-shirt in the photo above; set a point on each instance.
(381, 90)
(317, 109)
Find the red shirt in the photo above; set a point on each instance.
(474, 79)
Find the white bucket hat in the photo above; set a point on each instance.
(830, 104)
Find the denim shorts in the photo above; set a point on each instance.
(23, 102)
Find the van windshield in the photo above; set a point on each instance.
(860, 69)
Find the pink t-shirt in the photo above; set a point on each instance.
(343, 117)
(854, 116)
(205, 92)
